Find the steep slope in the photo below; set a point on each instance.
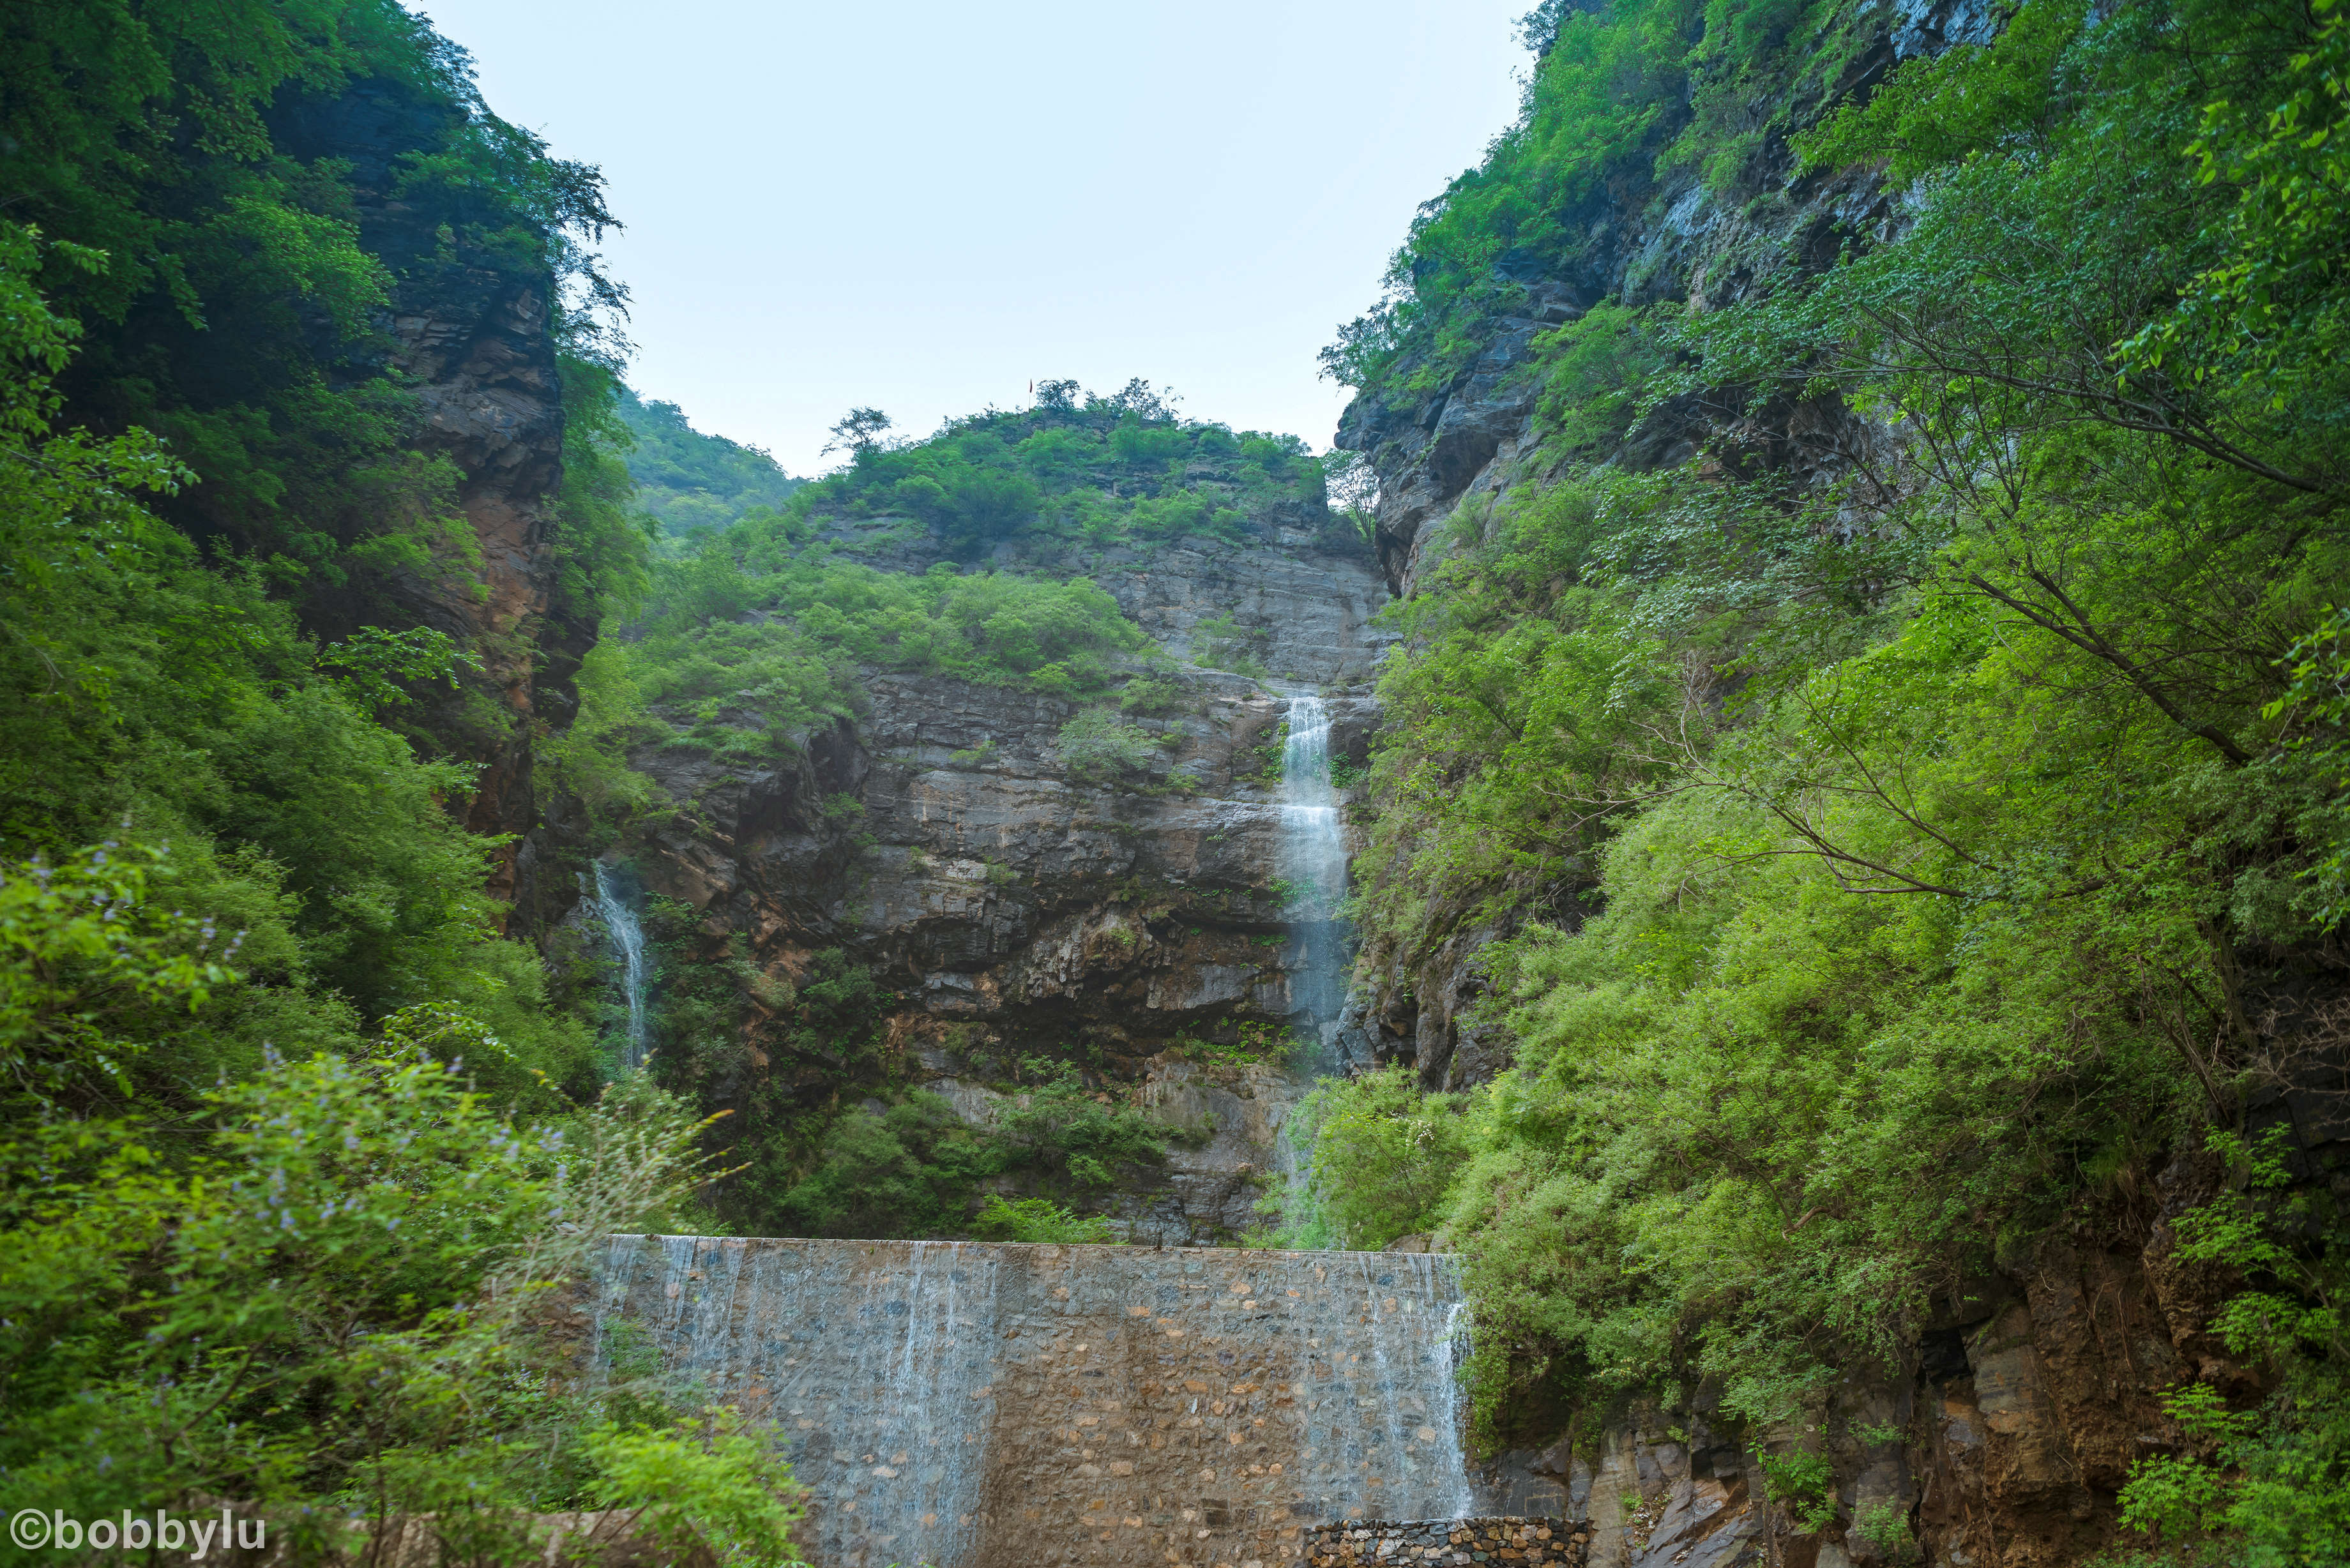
(1839, 1093)
(692, 481)
(985, 760)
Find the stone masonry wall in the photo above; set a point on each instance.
(1369, 1543)
(986, 1406)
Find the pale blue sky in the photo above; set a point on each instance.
(922, 207)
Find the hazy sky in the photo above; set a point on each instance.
(923, 207)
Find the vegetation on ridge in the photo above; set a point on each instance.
(1075, 468)
(1911, 847)
(695, 483)
(295, 1143)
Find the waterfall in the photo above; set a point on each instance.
(628, 939)
(969, 1404)
(1313, 863)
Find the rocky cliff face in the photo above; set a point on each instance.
(471, 331)
(1016, 906)
(1475, 437)
(2008, 1422)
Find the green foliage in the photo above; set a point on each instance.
(902, 1170)
(379, 666)
(1260, 1045)
(1627, 93)
(1038, 1220)
(590, 761)
(1081, 469)
(2316, 706)
(2270, 312)
(704, 1482)
(327, 1290)
(1596, 371)
(138, 685)
(1383, 1156)
(83, 943)
(1884, 1524)
(1803, 1483)
(759, 635)
(1083, 1136)
(1887, 860)
(694, 482)
(2271, 1482)
(903, 1163)
(1095, 745)
(1149, 696)
(246, 271)
(1221, 642)
(601, 537)
(1522, 712)
(254, 1250)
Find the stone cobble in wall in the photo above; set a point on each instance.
(974, 1405)
(1518, 1543)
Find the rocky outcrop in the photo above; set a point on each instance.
(1014, 906)
(469, 330)
(1475, 438)
(1300, 589)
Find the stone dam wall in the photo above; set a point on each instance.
(971, 1404)
(1505, 1542)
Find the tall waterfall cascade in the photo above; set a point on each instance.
(627, 935)
(1314, 865)
(967, 1405)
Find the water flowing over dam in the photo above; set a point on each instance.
(972, 1405)
(627, 935)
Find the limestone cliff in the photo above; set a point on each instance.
(471, 332)
(1013, 905)
(1475, 436)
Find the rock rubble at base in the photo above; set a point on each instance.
(1530, 1543)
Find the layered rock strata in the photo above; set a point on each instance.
(1015, 906)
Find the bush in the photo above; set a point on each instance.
(1038, 1220)
(1381, 1158)
(1095, 745)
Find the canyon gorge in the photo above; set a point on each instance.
(1714, 942)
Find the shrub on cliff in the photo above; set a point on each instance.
(1095, 747)
(1038, 1219)
(1906, 849)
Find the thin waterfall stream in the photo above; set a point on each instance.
(628, 939)
(1314, 865)
(1314, 862)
